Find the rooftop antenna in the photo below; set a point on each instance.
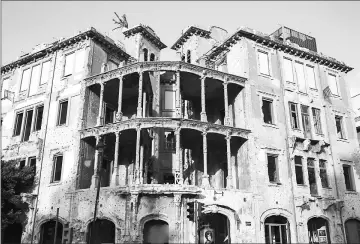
(121, 22)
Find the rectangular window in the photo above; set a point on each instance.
(27, 128)
(25, 80)
(267, 111)
(339, 127)
(45, 72)
(317, 120)
(18, 123)
(38, 118)
(63, 107)
(35, 79)
(22, 164)
(80, 60)
(333, 84)
(69, 64)
(272, 168)
(109, 115)
(169, 102)
(56, 176)
(348, 176)
(169, 141)
(299, 67)
(264, 63)
(310, 74)
(299, 170)
(312, 176)
(5, 86)
(288, 70)
(32, 162)
(305, 118)
(323, 174)
(294, 115)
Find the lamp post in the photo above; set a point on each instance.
(100, 148)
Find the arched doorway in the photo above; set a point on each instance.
(102, 232)
(48, 232)
(12, 234)
(156, 231)
(216, 223)
(352, 227)
(318, 231)
(277, 230)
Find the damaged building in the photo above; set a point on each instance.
(256, 129)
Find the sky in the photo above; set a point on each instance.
(335, 25)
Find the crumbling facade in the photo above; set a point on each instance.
(255, 127)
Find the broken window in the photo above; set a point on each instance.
(305, 119)
(56, 176)
(32, 161)
(62, 112)
(272, 168)
(27, 128)
(288, 70)
(348, 176)
(5, 86)
(294, 115)
(25, 80)
(299, 67)
(317, 120)
(318, 231)
(299, 170)
(310, 73)
(183, 57)
(109, 115)
(18, 122)
(152, 57)
(169, 178)
(323, 174)
(333, 84)
(170, 141)
(145, 54)
(312, 176)
(339, 127)
(277, 230)
(267, 111)
(264, 63)
(69, 64)
(22, 164)
(38, 117)
(45, 72)
(188, 56)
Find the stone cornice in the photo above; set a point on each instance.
(147, 34)
(192, 30)
(165, 66)
(278, 45)
(91, 33)
(159, 122)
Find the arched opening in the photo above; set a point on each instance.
(102, 232)
(214, 228)
(188, 56)
(277, 230)
(48, 232)
(145, 51)
(352, 227)
(156, 231)
(318, 230)
(12, 234)
(152, 57)
(183, 57)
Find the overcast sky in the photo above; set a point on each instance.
(335, 25)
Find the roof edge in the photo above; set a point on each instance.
(191, 30)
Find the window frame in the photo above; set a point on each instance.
(324, 168)
(343, 134)
(268, 62)
(164, 100)
(54, 168)
(304, 115)
(24, 123)
(59, 112)
(313, 166)
(165, 148)
(29, 160)
(277, 175)
(31, 67)
(271, 102)
(317, 129)
(285, 70)
(22, 79)
(36, 117)
(305, 91)
(351, 176)
(307, 77)
(297, 116)
(336, 83)
(7, 80)
(16, 124)
(301, 164)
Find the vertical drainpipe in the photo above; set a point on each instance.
(43, 147)
(287, 144)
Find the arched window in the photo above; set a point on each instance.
(352, 227)
(152, 57)
(183, 57)
(318, 229)
(188, 56)
(156, 231)
(277, 230)
(102, 232)
(145, 54)
(48, 232)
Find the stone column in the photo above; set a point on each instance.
(115, 174)
(144, 104)
(95, 177)
(205, 180)
(177, 202)
(229, 182)
(100, 115)
(139, 107)
(137, 157)
(226, 104)
(203, 104)
(141, 164)
(178, 95)
(178, 174)
(119, 112)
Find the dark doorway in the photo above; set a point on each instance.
(318, 230)
(102, 232)
(220, 225)
(277, 230)
(156, 231)
(48, 232)
(352, 227)
(12, 234)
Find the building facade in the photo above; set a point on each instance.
(257, 128)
